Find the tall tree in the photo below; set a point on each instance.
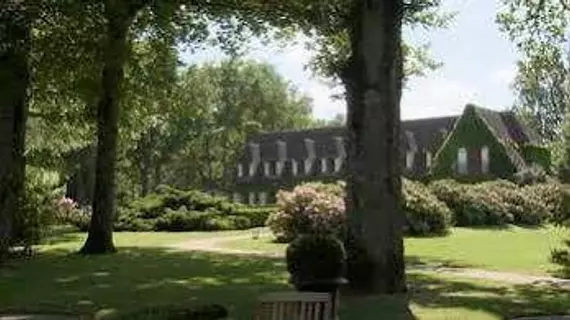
(540, 31)
(15, 27)
(373, 79)
(119, 15)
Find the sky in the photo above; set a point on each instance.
(478, 66)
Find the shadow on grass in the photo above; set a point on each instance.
(502, 301)
(137, 278)
(416, 262)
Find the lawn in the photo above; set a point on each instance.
(145, 273)
(514, 249)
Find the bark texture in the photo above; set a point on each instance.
(373, 80)
(119, 15)
(14, 94)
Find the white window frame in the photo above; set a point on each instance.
(279, 165)
(308, 165)
(324, 165)
(294, 167)
(240, 170)
(485, 159)
(410, 160)
(462, 159)
(262, 196)
(253, 168)
(338, 163)
(251, 198)
(266, 168)
(428, 159)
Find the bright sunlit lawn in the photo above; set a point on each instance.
(144, 273)
(514, 249)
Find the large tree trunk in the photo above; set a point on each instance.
(14, 92)
(373, 80)
(119, 15)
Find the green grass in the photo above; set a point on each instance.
(144, 274)
(512, 249)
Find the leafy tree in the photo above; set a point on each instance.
(213, 109)
(15, 33)
(539, 30)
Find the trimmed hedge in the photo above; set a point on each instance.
(171, 209)
(500, 202)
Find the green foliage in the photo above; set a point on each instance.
(472, 205)
(314, 257)
(536, 155)
(39, 211)
(472, 132)
(170, 209)
(499, 202)
(425, 213)
(539, 30)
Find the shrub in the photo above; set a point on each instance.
(531, 175)
(473, 205)
(425, 213)
(256, 215)
(184, 220)
(307, 210)
(38, 212)
(315, 257)
(555, 197)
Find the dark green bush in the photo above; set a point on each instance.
(315, 257)
(257, 215)
(531, 175)
(425, 213)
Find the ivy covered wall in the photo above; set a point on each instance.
(472, 132)
(533, 154)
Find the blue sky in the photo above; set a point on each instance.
(478, 66)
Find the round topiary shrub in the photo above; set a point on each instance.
(315, 259)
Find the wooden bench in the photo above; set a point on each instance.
(295, 306)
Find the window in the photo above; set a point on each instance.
(279, 167)
(282, 150)
(428, 159)
(253, 168)
(240, 170)
(409, 160)
(266, 168)
(263, 198)
(255, 158)
(337, 164)
(324, 165)
(294, 167)
(251, 198)
(462, 161)
(485, 159)
(308, 165)
(237, 197)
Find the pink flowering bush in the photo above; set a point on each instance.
(312, 208)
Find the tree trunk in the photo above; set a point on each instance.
(373, 80)
(119, 15)
(14, 93)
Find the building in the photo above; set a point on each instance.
(478, 144)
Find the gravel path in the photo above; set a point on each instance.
(216, 244)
